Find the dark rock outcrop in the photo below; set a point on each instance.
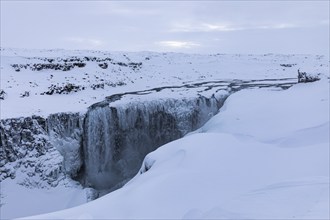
(34, 146)
(3, 94)
(304, 77)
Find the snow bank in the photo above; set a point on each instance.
(38, 200)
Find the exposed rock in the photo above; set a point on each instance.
(65, 132)
(103, 65)
(47, 66)
(3, 94)
(43, 151)
(66, 89)
(21, 140)
(91, 194)
(25, 94)
(97, 86)
(67, 64)
(288, 65)
(304, 77)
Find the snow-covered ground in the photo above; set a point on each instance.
(265, 155)
(19, 201)
(115, 72)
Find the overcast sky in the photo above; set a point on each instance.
(184, 26)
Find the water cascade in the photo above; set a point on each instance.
(117, 137)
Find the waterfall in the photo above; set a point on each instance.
(117, 136)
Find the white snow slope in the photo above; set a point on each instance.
(265, 155)
(19, 201)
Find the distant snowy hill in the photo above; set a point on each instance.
(169, 135)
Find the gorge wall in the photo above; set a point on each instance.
(38, 151)
(103, 148)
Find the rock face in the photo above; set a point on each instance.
(304, 77)
(22, 139)
(28, 133)
(33, 147)
(117, 137)
(65, 133)
(67, 64)
(104, 148)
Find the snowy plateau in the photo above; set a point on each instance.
(146, 135)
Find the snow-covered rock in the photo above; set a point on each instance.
(42, 150)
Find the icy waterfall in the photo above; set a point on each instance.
(117, 137)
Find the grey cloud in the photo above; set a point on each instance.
(238, 26)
